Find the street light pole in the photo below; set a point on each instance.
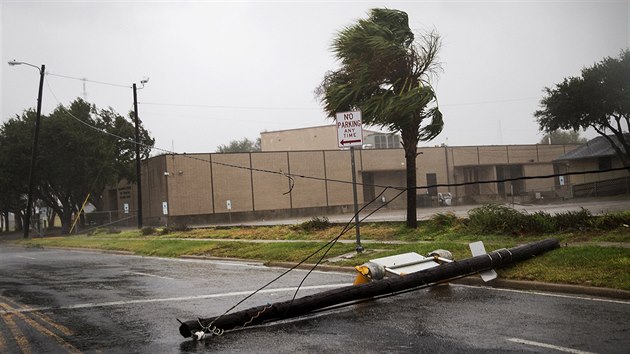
(31, 174)
(138, 169)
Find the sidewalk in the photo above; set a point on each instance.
(595, 206)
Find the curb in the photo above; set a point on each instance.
(549, 287)
(470, 280)
(473, 280)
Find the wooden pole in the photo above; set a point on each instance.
(31, 174)
(307, 304)
(137, 146)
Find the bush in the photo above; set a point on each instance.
(443, 222)
(148, 230)
(498, 219)
(179, 227)
(495, 219)
(540, 222)
(612, 221)
(316, 223)
(574, 220)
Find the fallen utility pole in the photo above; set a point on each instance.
(307, 304)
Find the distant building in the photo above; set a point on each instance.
(596, 154)
(321, 138)
(197, 189)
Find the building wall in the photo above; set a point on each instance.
(271, 191)
(590, 165)
(308, 192)
(338, 168)
(154, 186)
(312, 138)
(189, 184)
(390, 178)
(543, 185)
(199, 185)
(232, 180)
(432, 160)
(315, 138)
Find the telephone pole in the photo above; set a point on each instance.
(138, 169)
(31, 174)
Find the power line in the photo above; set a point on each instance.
(88, 124)
(230, 107)
(293, 175)
(312, 109)
(350, 223)
(489, 102)
(87, 80)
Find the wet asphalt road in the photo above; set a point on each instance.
(57, 301)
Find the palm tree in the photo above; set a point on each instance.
(385, 73)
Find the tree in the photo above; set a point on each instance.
(76, 157)
(15, 155)
(598, 99)
(563, 137)
(243, 145)
(385, 73)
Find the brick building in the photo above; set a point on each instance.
(196, 188)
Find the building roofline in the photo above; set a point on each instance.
(317, 126)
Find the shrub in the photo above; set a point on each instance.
(574, 220)
(179, 227)
(495, 219)
(612, 221)
(148, 230)
(540, 222)
(442, 222)
(316, 223)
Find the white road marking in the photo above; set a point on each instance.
(548, 346)
(169, 299)
(149, 275)
(612, 301)
(25, 257)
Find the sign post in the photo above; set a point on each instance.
(350, 134)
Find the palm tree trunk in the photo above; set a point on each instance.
(409, 143)
(410, 159)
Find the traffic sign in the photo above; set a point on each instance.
(349, 129)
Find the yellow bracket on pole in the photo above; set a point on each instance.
(79, 213)
(363, 276)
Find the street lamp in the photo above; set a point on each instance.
(137, 140)
(31, 174)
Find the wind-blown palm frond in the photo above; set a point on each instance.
(386, 74)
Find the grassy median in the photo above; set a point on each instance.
(596, 253)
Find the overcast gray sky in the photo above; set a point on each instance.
(225, 70)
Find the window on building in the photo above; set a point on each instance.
(380, 142)
(605, 162)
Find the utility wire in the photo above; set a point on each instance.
(349, 225)
(328, 244)
(489, 102)
(87, 80)
(169, 152)
(347, 228)
(229, 107)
